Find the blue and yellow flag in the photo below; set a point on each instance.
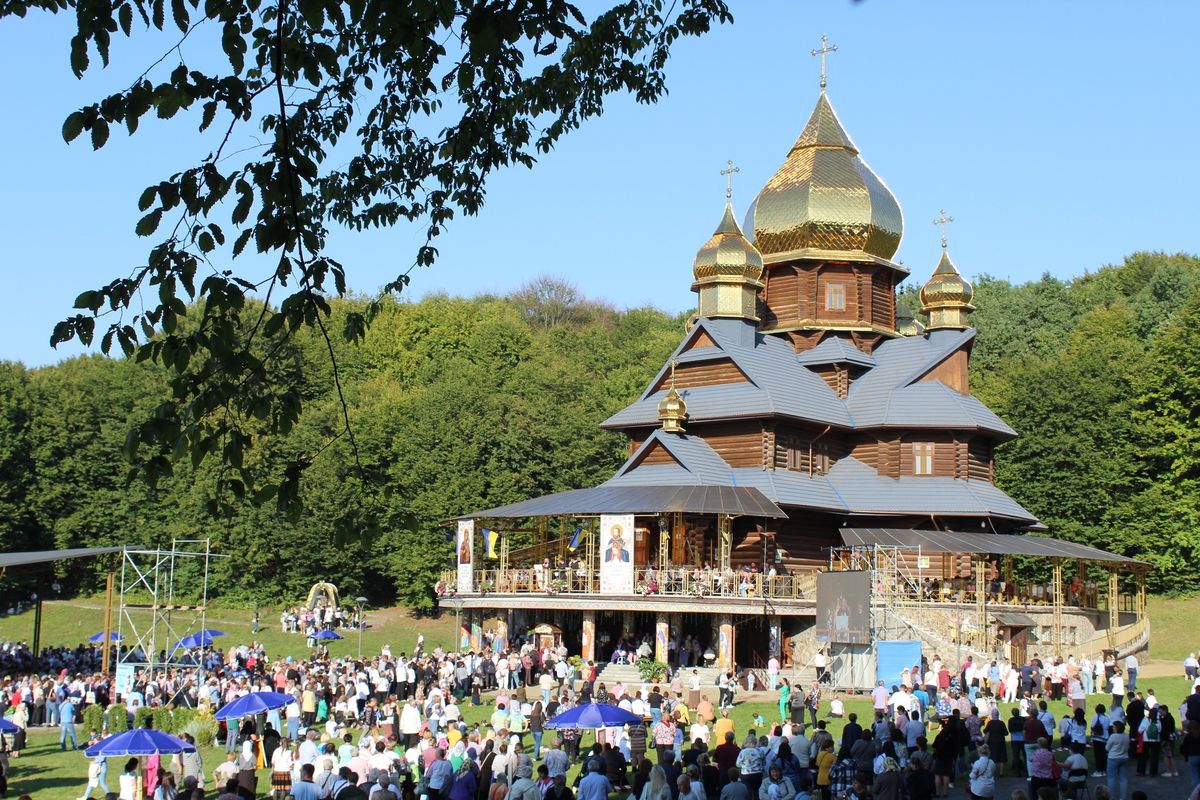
(574, 545)
(489, 543)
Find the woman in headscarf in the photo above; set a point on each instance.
(466, 784)
(247, 764)
(996, 734)
(888, 782)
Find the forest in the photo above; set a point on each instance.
(465, 403)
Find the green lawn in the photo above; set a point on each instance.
(72, 622)
(1173, 631)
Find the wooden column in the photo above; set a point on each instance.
(662, 634)
(724, 541)
(1056, 598)
(1140, 608)
(106, 653)
(664, 544)
(1114, 599)
(725, 634)
(981, 603)
(588, 636)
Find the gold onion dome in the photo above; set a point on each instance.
(672, 411)
(728, 254)
(946, 296)
(727, 272)
(906, 323)
(825, 200)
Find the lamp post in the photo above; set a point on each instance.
(362, 601)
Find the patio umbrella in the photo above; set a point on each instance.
(594, 715)
(97, 638)
(328, 635)
(254, 703)
(138, 742)
(8, 726)
(202, 638)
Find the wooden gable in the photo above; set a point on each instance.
(951, 371)
(655, 454)
(700, 340)
(703, 373)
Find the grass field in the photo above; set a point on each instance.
(72, 622)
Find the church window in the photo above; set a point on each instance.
(922, 458)
(835, 296)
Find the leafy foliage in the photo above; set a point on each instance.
(459, 405)
(422, 100)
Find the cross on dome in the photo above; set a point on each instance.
(942, 221)
(824, 50)
(728, 172)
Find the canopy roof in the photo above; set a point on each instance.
(737, 501)
(1007, 544)
(46, 556)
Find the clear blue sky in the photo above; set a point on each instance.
(1061, 136)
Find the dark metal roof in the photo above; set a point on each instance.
(46, 556)
(738, 501)
(1013, 619)
(1009, 544)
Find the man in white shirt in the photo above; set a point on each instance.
(1131, 672)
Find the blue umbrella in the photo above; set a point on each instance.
(254, 703)
(594, 715)
(328, 635)
(203, 638)
(138, 742)
(8, 726)
(97, 638)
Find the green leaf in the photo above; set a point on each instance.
(99, 134)
(179, 12)
(125, 16)
(73, 126)
(149, 223)
(147, 198)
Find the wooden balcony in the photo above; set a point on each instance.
(677, 582)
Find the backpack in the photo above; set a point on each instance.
(1152, 731)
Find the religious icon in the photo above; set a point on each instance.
(616, 550)
(464, 547)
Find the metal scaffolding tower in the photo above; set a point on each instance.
(155, 611)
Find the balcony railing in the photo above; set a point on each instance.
(679, 582)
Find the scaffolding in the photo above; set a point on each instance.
(154, 614)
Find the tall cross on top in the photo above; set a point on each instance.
(942, 221)
(728, 173)
(825, 50)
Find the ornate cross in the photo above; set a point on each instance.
(728, 173)
(943, 221)
(825, 50)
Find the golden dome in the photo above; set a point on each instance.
(727, 270)
(906, 323)
(672, 411)
(825, 200)
(946, 296)
(727, 254)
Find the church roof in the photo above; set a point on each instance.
(780, 384)
(835, 350)
(850, 487)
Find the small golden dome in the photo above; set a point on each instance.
(727, 254)
(946, 296)
(672, 411)
(906, 323)
(826, 199)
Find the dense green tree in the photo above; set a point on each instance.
(424, 100)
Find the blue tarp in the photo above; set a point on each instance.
(893, 657)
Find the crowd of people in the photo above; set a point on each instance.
(394, 727)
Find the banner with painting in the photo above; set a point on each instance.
(616, 554)
(465, 550)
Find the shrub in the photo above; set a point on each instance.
(202, 728)
(142, 716)
(652, 670)
(118, 718)
(93, 718)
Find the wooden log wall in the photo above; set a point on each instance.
(703, 373)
